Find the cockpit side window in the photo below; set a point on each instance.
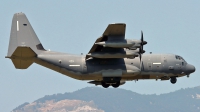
(180, 58)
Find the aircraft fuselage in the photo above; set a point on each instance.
(153, 66)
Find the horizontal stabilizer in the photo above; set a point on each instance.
(22, 57)
(23, 52)
(21, 64)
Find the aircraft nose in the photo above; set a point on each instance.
(190, 68)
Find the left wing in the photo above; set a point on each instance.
(112, 44)
(112, 32)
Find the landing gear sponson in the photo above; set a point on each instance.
(114, 81)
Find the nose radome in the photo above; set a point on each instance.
(190, 68)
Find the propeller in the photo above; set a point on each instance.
(141, 51)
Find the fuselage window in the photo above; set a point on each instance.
(178, 57)
(182, 63)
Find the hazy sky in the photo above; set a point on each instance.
(171, 26)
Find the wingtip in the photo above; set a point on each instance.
(19, 13)
(118, 23)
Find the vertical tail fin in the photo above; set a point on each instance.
(24, 43)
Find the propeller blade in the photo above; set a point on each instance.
(141, 51)
(142, 36)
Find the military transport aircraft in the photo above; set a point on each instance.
(111, 61)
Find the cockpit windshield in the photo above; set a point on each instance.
(179, 58)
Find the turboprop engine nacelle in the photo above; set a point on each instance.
(117, 43)
(138, 44)
(126, 43)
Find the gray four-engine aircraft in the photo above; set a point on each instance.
(111, 61)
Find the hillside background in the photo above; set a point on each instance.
(97, 99)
